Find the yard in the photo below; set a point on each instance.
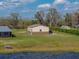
(24, 42)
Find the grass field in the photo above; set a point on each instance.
(55, 42)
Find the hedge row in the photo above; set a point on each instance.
(71, 31)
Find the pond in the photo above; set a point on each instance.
(40, 55)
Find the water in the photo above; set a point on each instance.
(40, 55)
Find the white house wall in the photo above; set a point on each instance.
(38, 28)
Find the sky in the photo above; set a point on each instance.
(27, 8)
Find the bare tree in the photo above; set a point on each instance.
(40, 17)
(77, 18)
(68, 19)
(53, 17)
(14, 19)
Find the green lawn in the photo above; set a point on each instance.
(55, 42)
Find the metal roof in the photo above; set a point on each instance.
(35, 25)
(5, 29)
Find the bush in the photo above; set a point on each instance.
(71, 31)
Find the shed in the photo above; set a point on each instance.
(37, 29)
(76, 26)
(5, 31)
(65, 27)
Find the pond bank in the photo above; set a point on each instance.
(39, 49)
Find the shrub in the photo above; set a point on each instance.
(70, 31)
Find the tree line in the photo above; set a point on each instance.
(14, 20)
(54, 19)
(51, 18)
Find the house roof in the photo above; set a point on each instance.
(35, 25)
(5, 29)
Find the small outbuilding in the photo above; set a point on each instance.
(5, 31)
(65, 27)
(38, 29)
(76, 26)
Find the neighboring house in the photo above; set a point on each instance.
(5, 31)
(65, 27)
(38, 29)
(76, 26)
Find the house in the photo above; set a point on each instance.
(38, 29)
(76, 26)
(65, 27)
(5, 31)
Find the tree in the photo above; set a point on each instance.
(14, 19)
(40, 17)
(34, 22)
(52, 17)
(68, 19)
(77, 18)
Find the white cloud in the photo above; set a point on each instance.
(22, 1)
(2, 5)
(11, 0)
(28, 1)
(72, 7)
(14, 3)
(60, 2)
(66, 9)
(46, 6)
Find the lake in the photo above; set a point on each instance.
(40, 55)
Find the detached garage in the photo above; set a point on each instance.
(38, 29)
(5, 31)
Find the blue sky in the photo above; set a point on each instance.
(27, 8)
